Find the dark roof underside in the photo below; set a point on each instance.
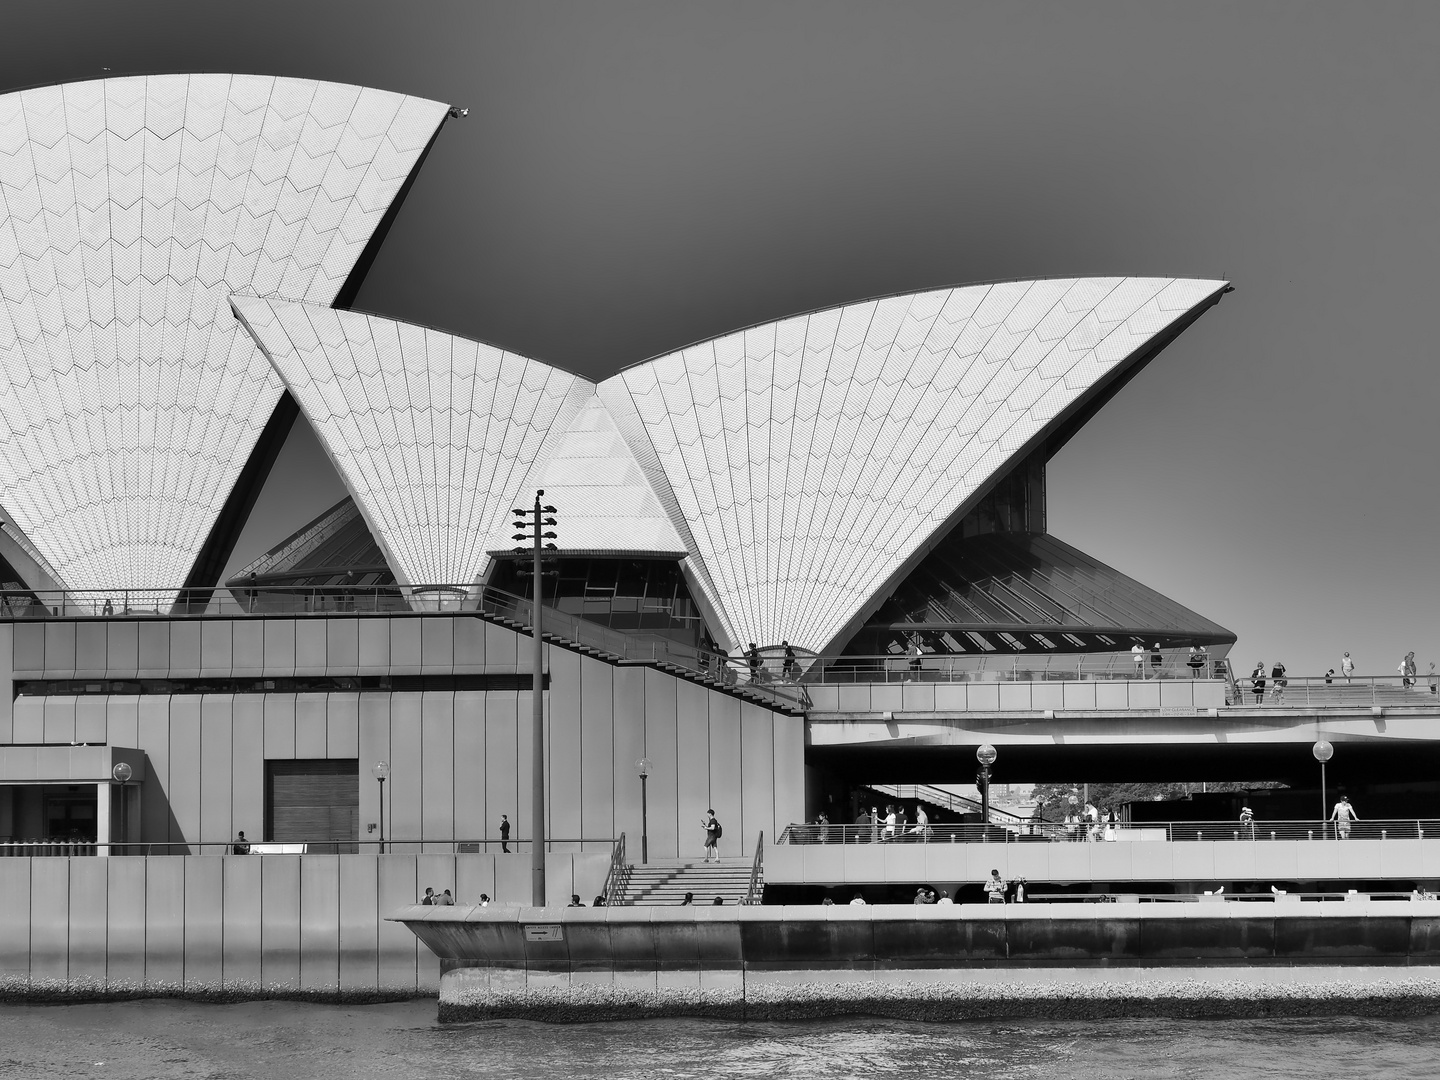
(1026, 592)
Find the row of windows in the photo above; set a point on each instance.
(292, 685)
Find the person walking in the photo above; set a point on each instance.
(1257, 682)
(713, 830)
(1247, 821)
(791, 665)
(1343, 816)
(504, 834)
(1407, 670)
(915, 653)
(995, 888)
(1347, 666)
(1137, 653)
(752, 660)
(1156, 659)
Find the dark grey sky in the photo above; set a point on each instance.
(636, 176)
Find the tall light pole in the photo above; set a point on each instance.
(643, 767)
(986, 755)
(537, 723)
(381, 771)
(122, 773)
(1323, 752)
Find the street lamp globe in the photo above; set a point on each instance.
(1323, 751)
(122, 772)
(986, 755)
(644, 766)
(381, 771)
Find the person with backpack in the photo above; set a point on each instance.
(713, 831)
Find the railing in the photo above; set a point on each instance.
(1130, 832)
(1222, 897)
(756, 890)
(1009, 667)
(619, 875)
(318, 846)
(955, 804)
(332, 600)
(1336, 690)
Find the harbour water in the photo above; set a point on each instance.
(158, 1040)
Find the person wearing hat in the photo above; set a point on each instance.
(1343, 816)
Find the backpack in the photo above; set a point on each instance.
(719, 830)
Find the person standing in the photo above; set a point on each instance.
(1407, 670)
(1257, 682)
(1247, 821)
(791, 664)
(1277, 677)
(711, 824)
(914, 652)
(1343, 816)
(995, 888)
(1347, 667)
(1137, 653)
(504, 834)
(1156, 659)
(241, 846)
(752, 660)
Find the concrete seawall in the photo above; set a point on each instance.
(935, 962)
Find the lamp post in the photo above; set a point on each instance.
(643, 767)
(1323, 752)
(986, 755)
(537, 687)
(122, 774)
(381, 771)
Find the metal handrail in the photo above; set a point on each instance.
(618, 876)
(756, 891)
(952, 802)
(1132, 832)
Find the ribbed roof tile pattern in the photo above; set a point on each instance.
(434, 435)
(811, 457)
(130, 210)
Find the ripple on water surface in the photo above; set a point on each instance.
(163, 1039)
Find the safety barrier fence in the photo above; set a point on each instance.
(325, 846)
(1142, 831)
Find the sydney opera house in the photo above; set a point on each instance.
(178, 259)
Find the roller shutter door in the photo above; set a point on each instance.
(313, 802)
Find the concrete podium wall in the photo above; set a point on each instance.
(459, 759)
(258, 924)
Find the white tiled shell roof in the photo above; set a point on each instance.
(806, 460)
(130, 210)
(433, 434)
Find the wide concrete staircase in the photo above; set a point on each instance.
(664, 883)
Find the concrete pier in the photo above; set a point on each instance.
(1052, 960)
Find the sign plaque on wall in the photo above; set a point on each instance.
(544, 932)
